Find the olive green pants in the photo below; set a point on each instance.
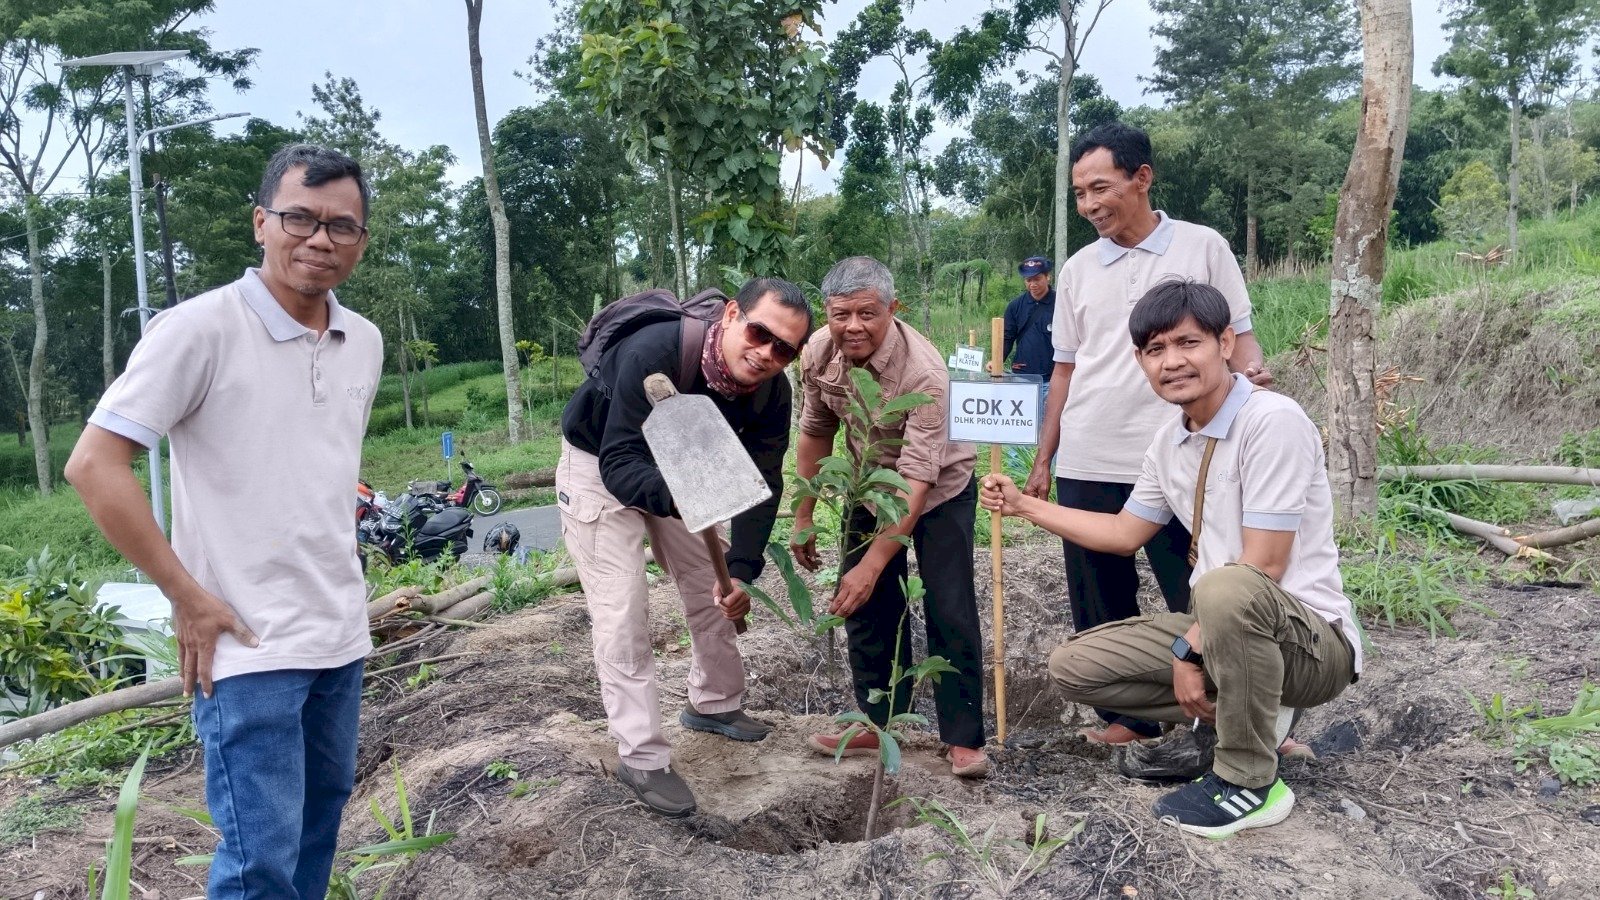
(1263, 649)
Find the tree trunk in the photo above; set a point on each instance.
(41, 334)
(427, 366)
(108, 349)
(1513, 185)
(1252, 254)
(1069, 69)
(1541, 146)
(680, 265)
(1360, 240)
(502, 231)
(405, 373)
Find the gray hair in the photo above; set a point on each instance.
(322, 165)
(856, 274)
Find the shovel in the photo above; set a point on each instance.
(710, 475)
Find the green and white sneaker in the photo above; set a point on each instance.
(1212, 807)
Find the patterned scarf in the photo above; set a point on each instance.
(716, 370)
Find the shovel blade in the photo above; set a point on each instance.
(711, 476)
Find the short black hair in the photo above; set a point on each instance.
(322, 165)
(1165, 306)
(1129, 146)
(784, 292)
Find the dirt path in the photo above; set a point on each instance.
(1441, 813)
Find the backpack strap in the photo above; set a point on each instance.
(691, 338)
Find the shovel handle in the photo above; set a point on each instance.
(658, 387)
(724, 580)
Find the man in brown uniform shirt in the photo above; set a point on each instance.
(862, 331)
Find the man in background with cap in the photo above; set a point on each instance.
(1028, 318)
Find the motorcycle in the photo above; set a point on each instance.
(475, 493)
(414, 526)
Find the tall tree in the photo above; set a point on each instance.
(509, 362)
(1505, 50)
(1262, 72)
(963, 62)
(712, 93)
(1360, 240)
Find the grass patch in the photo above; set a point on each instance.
(92, 753)
(1396, 587)
(1568, 743)
(37, 813)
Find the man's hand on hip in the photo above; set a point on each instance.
(199, 620)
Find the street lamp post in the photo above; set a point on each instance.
(136, 63)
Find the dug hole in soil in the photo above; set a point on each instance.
(1441, 813)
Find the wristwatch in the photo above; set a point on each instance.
(1182, 651)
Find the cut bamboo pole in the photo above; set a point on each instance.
(1524, 474)
(1495, 536)
(389, 603)
(996, 574)
(433, 604)
(1560, 537)
(67, 715)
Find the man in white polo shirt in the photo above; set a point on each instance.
(1243, 469)
(263, 388)
(1103, 424)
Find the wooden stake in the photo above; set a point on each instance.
(997, 331)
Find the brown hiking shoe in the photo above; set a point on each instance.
(663, 790)
(733, 724)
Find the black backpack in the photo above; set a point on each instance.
(627, 315)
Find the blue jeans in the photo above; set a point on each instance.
(280, 763)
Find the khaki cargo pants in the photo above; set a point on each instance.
(1263, 649)
(606, 540)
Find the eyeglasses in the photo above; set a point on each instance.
(760, 335)
(340, 231)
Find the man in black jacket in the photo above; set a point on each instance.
(612, 495)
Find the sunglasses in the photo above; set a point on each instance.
(760, 335)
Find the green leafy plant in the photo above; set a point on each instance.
(988, 852)
(119, 850)
(1568, 743)
(422, 676)
(1403, 589)
(34, 813)
(501, 770)
(90, 753)
(403, 846)
(841, 486)
(53, 641)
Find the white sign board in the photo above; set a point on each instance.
(967, 359)
(995, 411)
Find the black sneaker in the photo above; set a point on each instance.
(1213, 808)
(663, 790)
(1185, 755)
(734, 724)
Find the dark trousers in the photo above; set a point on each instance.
(1104, 587)
(943, 541)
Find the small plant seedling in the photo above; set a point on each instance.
(501, 770)
(422, 676)
(524, 788)
(985, 851)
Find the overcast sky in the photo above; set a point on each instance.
(410, 59)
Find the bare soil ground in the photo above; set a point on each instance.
(1445, 813)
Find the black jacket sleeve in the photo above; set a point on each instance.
(766, 438)
(627, 467)
(1013, 329)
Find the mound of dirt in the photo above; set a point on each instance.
(1406, 801)
(1514, 373)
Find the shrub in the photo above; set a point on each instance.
(52, 639)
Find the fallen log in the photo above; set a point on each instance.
(1494, 535)
(67, 715)
(471, 606)
(433, 604)
(536, 478)
(1560, 537)
(388, 604)
(1525, 474)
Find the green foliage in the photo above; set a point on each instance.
(90, 753)
(1400, 588)
(501, 770)
(987, 852)
(1415, 505)
(1569, 743)
(1472, 205)
(35, 813)
(711, 90)
(1580, 449)
(119, 850)
(518, 586)
(427, 577)
(404, 845)
(52, 639)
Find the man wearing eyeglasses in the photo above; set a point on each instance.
(611, 496)
(863, 332)
(261, 383)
